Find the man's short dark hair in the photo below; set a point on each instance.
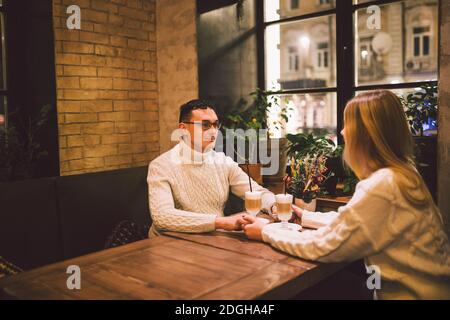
(187, 108)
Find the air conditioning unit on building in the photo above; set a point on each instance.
(414, 65)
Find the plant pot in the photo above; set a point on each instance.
(311, 206)
(254, 171)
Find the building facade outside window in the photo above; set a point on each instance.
(399, 56)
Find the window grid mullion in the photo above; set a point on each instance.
(346, 87)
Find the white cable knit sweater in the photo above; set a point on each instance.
(378, 224)
(188, 189)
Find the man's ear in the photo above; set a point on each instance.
(181, 126)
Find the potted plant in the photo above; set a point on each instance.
(19, 149)
(304, 144)
(307, 177)
(349, 183)
(421, 112)
(254, 116)
(7, 141)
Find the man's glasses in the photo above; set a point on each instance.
(206, 125)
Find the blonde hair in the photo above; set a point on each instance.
(377, 136)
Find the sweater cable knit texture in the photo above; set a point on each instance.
(188, 190)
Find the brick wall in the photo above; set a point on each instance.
(177, 62)
(106, 76)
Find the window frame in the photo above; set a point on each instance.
(346, 87)
(4, 90)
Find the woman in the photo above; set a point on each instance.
(391, 220)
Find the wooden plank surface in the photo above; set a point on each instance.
(256, 284)
(232, 241)
(304, 275)
(220, 265)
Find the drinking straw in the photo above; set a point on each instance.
(285, 185)
(249, 179)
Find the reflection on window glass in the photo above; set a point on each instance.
(301, 54)
(307, 113)
(2, 112)
(405, 49)
(227, 53)
(280, 9)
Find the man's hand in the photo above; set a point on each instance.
(232, 223)
(253, 228)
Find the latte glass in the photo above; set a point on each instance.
(284, 208)
(253, 202)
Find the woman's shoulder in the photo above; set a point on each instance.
(381, 182)
(383, 175)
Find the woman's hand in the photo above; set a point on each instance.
(253, 229)
(296, 215)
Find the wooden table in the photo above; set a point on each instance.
(219, 265)
(331, 203)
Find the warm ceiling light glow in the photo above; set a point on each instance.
(364, 54)
(305, 41)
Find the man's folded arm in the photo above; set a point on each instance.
(163, 212)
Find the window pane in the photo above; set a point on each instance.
(301, 54)
(227, 55)
(307, 113)
(426, 45)
(294, 4)
(280, 9)
(416, 46)
(404, 49)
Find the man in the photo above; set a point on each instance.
(189, 184)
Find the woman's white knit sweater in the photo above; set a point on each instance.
(407, 244)
(188, 189)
